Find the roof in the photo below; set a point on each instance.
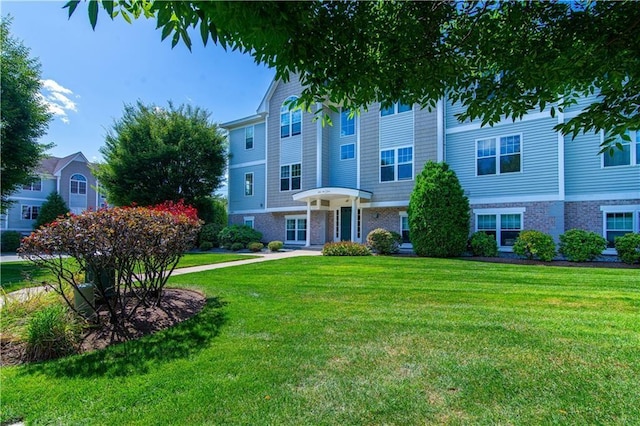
(53, 165)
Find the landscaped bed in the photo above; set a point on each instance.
(372, 340)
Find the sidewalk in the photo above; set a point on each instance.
(25, 293)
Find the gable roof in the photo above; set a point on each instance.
(53, 165)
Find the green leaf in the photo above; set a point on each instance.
(167, 29)
(204, 32)
(108, 6)
(93, 13)
(71, 5)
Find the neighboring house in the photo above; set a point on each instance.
(70, 176)
(298, 181)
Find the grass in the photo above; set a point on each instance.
(17, 275)
(346, 341)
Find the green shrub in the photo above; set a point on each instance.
(535, 244)
(275, 245)
(384, 242)
(209, 233)
(242, 234)
(10, 241)
(51, 333)
(578, 245)
(483, 244)
(255, 246)
(51, 209)
(628, 248)
(345, 248)
(206, 246)
(237, 246)
(438, 213)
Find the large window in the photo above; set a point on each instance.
(347, 123)
(248, 184)
(395, 108)
(348, 151)
(248, 137)
(505, 228)
(296, 231)
(30, 212)
(629, 155)
(290, 119)
(36, 185)
(498, 155)
(620, 220)
(290, 177)
(78, 184)
(396, 164)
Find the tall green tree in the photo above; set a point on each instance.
(24, 118)
(155, 154)
(438, 213)
(53, 207)
(498, 58)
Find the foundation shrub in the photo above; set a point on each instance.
(535, 245)
(345, 248)
(242, 234)
(206, 246)
(275, 245)
(483, 244)
(10, 241)
(578, 245)
(384, 242)
(255, 246)
(209, 233)
(628, 248)
(52, 332)
(237, 246)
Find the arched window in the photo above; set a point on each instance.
(290, 119)
(78, 184)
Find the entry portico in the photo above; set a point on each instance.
(344, 200)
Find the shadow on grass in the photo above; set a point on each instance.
(138, 356)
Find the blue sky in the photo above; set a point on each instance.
(90, 75)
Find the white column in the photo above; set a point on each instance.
(354, 220)
(308, 243)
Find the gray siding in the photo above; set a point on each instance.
(397, 130)
(239, 154)
(539, 161)
(237, 200)
(450, 114)
(342, 173)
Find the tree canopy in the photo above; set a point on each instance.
(498, 58)
(155, 154)
(24, 118)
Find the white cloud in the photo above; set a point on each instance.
(56, 97)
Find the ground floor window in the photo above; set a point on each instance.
(296, 229)
(504, 226)
(249, 221)
(30, 212)
(620, 220)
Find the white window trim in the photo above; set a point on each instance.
(498, 212)
(403, 215)
(354, 152)
(251, 219)
(395, 110)
(629, 208)
(253, 137)
(252, 184)
(31, 206)
(296, 218)
(497, 140)
(396, 164)
(354, 124)
(633, 145)
(86, 182)
(290, 165)
(31, 186)
(290, 112)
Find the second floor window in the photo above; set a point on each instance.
(629, 155)
(347, 123)
(290, 119)
(248, 184)
(395, 108)
(36, 185)
(30, 212)
(248, 138)
(348, 151)
(396, 164)
(78, 184)
(290, 177)
(498, 155)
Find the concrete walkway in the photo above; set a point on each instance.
(25, 293)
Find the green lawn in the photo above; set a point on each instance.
(375, 340)
(16, 275)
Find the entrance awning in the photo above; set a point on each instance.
(331, 193)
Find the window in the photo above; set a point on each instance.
(348, 151)
(505, 228)
(290, 177)
(30, 212)
(78, 184)
(248, 137)
(390, 170)
(395, 108)
(404, 228)
(248, 184)
(296, 229)
(490, 161)
(36, 185)
(290, 119)
(629, 155)
(347, 123)
(249, 221)
(619, 220)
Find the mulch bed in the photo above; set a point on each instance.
(177, 305)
